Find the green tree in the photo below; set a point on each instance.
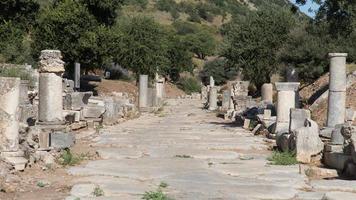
(105, 11)
(179, 56)
(142, 45)
(23, 12)
(253, 44)
(70, 27)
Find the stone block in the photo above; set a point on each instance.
(350, 115)
(19, 163)
(72, 115)
(257, 129)
(44, 139)
(62, 140)
(247, 124)
(298, 118)
(307, 142)
(326, 132)
(336, 160)
(267, 113)
(93, 111)
(77, 100)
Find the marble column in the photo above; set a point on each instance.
(213, 95)
(267, 93)
(143, 91)
(286, 101)
(337, 94)
(50, 97)
(9, 107)
(77, 76)
(51, 68)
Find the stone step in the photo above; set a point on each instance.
(19, 163)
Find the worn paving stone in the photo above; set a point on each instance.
(199, 156)
(334, 185)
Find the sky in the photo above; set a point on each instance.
(305, 8)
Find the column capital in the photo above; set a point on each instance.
(331, 55)
(287, 86)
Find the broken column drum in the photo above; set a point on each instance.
(286, 101)
(51, 68)
(213, 95)
(143, 91)
(9, 104)
(267, 93)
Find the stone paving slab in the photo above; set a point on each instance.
(199, 156)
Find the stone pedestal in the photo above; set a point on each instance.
(286, 101)
(337, 89)
(226, 100)
(77, 76)
(143, 94)
(9, 104)
(159, 90)
(24, 84)
(267, 93)
(213, 95)
(50, 98)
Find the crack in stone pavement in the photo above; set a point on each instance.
(197, 154)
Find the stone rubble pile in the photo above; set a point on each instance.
(37, 122)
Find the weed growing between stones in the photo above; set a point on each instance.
(283, 158)
(41, 184)
(157, 194)
(98, 192)
(67, 158)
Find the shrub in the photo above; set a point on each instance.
(189, 85)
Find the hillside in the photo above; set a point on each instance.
(213, 13)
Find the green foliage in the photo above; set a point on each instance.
(179, 56)
(219, 69)
(157, 194)
(200, 39)
(140, 3)
(105, 11)
(189, 85)
(70, 28)
(14, 46)
(142, 45)
(98, 192)
(15, 71)
(23, 12)
(283, 158)
(68, 159)
(253, 44)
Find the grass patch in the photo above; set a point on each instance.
(98, 192)
(157, 194)
(41, 184)
(283, 158)
(69, 159)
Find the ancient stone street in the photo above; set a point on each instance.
(197, 154)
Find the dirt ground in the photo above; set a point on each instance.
(320, 114)
(55, 183)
